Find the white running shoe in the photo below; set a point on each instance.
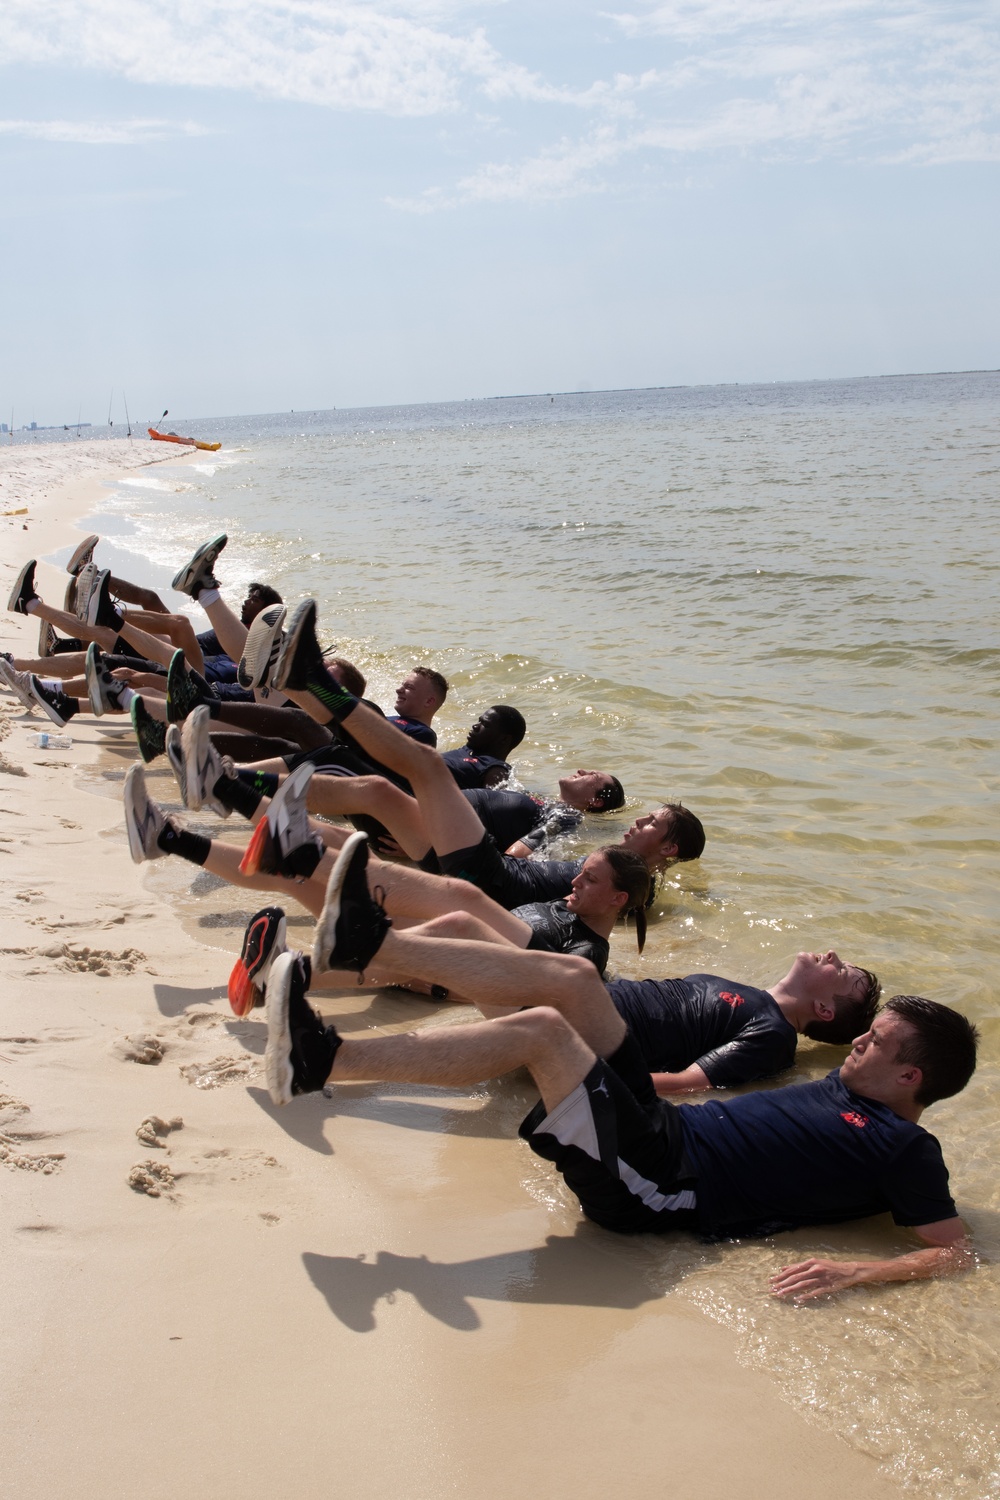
(143, 818)
(19, 684)
(260, 651)
(202, 763)
(86, 580)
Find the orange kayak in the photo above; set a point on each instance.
(171, 437)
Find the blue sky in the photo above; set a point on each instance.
(247, 206)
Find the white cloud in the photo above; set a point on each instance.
(101, 132)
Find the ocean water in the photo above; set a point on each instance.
(777, 603)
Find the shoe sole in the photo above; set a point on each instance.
(288, 808)
(206, 554)
(260, 653)
(254, 852)
(137, 713)
(330, 915)
(92, 674)
(11, 680)
(197, 754)
(178, 686)
(277, 1057)
(305, 615)
(175, 755)
(15, 593)
(247, 981)
(82, 555)
(83, 587)
(136, 799)
(69, 598)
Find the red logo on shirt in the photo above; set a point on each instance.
(730, 998)
(853, 1118)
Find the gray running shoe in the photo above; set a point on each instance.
(19, 684)
(260, 651)
(82, 555)
(144, 820)
(85, 582)
(149, 732)
(352, 925)
(175, 755)
(46, 639)
(103, 690)
(197, 574)
(299, 847)
(24, 589)
(300, 1049)
(202, 763)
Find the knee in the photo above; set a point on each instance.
(452, 924)
(543, 1028)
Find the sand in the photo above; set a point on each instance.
(379, 1294)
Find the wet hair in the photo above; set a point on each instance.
(630, 873)
(510, 721)
(265, 592)
(435, 680)
(853, 1014)
(610, 798)
(348, 675)
(942, 1045)
(686, 832)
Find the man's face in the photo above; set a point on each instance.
(413, 696)
(872, 1067)
(484, 735)
(594, 890)
(252, 606)
(581, 789)
(651, 837)
(823, 976)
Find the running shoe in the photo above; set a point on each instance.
(300, 1049)
(185, 689)
(84, 587)
(144, 820)
(59, 706)
(104, 691)
(69, 598)
(300, 652)
(260, 855)
(46, 639)
(101, 609)
(197, 574)
(175, 755)
(203, 765)
(263, 942)
(352, 924)
(82, 555)
(260, 652)
(23, 591)
(299, 847)
(19, 684)
(149, 732)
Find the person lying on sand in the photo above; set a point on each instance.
(844, 1147)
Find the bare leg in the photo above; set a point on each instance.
(456, 1057)
(71, 626)
(224, 860)
(131, 593)
(273, 723)
(416, 894)
(456, 924)
(229, 628)
(340, 796)
(63, 664)
(169, 632)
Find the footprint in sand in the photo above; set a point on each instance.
(153, 1178)
(73, 958)
(219, 1071)
(12, 1153)
(140, 1048)
(153, 1127)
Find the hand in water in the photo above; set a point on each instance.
(808, 1279)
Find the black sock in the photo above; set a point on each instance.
(190, 846)
(324, 686)
(264, 783)
(241, 797)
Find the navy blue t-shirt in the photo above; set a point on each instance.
(506, 816)
(417, 730)
(732, 1031)
(812, 1153)
(471, 771)
(555, 929)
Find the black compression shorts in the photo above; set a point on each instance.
(511, 882)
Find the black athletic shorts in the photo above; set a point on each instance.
(619, 1148)
(511, 882)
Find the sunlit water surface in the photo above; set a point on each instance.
(777, 603)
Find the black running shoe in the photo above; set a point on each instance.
(263, 944)
(101, 609)
(104, 691)
(352, 925)
(300, 653)
(150, 733)
(23, 591)
(185, 689)
(82, 555)
(197, 574)
(59, 706)
(300, 1049)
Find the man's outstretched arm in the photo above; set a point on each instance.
(948, 1252)
(685, 1082)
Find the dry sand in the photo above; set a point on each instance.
(380, 1294)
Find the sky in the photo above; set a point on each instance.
(239, 206)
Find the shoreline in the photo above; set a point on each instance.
(247, 1330)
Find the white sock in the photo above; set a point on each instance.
(208, 596)
(31, 607)
(126, 695)
(54, 684)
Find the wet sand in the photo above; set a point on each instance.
(376, 1294)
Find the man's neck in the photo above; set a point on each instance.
(797, 1011)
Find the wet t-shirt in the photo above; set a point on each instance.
(812, 1153)
(417, 730)
(471, 771)
(507, 816)
(555, 929)
(732, 1031)
(554, 819)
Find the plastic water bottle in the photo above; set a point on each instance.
(45, 741)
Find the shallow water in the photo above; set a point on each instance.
(777, 603)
